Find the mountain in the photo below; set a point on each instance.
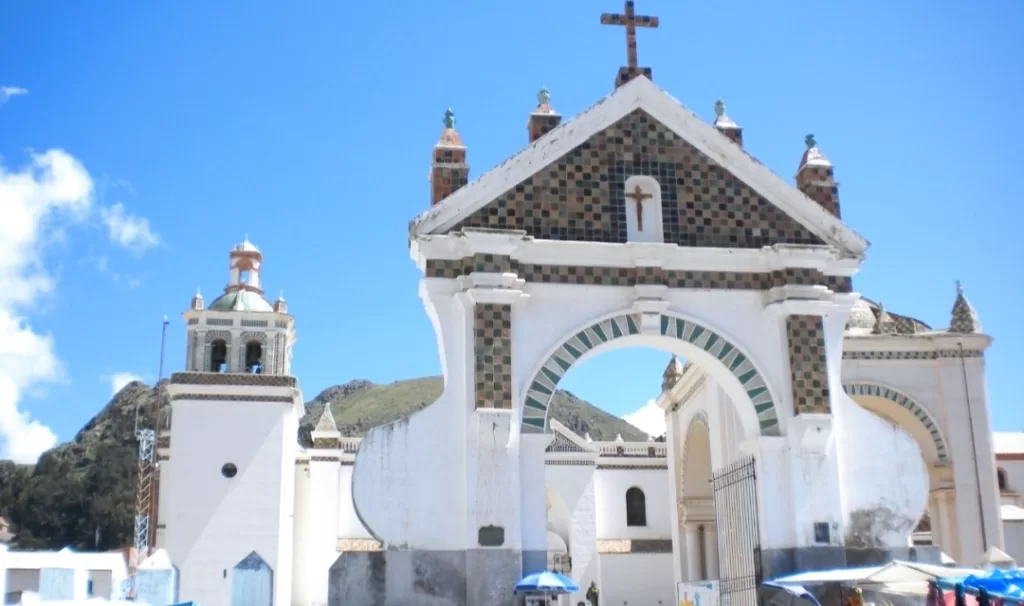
(358, 406)
(82, 493)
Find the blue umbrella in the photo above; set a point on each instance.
(551, 582)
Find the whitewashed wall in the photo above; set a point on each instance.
(1014, 474)
(638, 579)
(574, 488)
(610, 492)
(208, 513)
(938, 387)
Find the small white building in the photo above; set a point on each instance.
(63, 575)
(1009, 450)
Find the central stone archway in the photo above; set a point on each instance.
(738, 364)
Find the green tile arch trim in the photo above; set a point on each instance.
(922, 415)
(542, 387)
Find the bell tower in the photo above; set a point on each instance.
(240, 332)
(227, 457)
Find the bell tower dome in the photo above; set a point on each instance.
(240, 331)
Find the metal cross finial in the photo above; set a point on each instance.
(449, 118)
(719, 108)
(631, 20)
(809, 140)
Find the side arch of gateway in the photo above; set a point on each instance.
(624, 329)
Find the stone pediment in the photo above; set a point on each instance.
(569, 184)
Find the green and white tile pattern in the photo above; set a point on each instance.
(542, 388)
(870, 389)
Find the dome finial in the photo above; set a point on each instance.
(198, 293)
(719, 108)
(544, 96)
(810, 142)
(449, 118)
(959, 289)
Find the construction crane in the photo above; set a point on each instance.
(146, 478)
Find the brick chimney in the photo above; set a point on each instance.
(544, 118)
(449, 170)
(726, 126)
(816, 179)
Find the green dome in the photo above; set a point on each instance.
(250, 301)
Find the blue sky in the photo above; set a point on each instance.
(309, 126)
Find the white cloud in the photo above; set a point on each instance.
(649, 418)
(130, 231)
(6, 92)
(54, 185)
(119, 379)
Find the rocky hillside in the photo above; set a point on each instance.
(81, 493)
(359, 406)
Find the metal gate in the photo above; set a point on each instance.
(739, 542)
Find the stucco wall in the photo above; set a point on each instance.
(637, 579)
(1014, 474)
(218, 521)
(938, 387)
(610, 488)
(1014, 532)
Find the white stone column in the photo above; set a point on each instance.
(674, 458)
(693, 552)
(533, 500)
(945, 532)
(711, 549)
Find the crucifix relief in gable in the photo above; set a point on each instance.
(642, 196)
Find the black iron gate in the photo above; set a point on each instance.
(739, 542)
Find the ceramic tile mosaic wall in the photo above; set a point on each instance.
(492, 350)
(580, 197)
(809, 372)
(630, 276)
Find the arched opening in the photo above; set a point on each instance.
(1002, 479)
(721, 359)
(219, 356)
(899, 424)
(698, 531)
(636, 507)
(253, 357)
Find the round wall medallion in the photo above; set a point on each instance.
(229, 470)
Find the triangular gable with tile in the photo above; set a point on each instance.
(569, 183)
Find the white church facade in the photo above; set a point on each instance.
(812, 428)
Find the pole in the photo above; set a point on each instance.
(160, 374)
(974, 447)
(154, 502)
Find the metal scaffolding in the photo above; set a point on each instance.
(147, 478)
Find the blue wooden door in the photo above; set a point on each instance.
(252, 582)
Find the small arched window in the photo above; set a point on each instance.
(636, 507)
(219, 356)
(253, 357)
(1001, 479)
